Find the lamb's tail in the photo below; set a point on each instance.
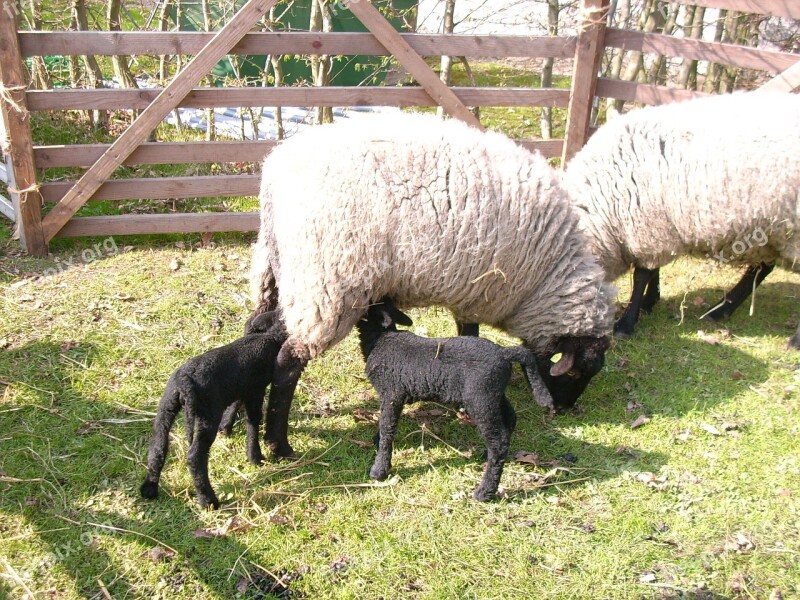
(168, 409)
(264, 268)
(527, 359)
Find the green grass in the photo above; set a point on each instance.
(85, 353)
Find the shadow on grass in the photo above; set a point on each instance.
(71, 466)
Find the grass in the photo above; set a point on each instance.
(701, 501)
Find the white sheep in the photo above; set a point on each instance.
(716, 177)
(428, 212)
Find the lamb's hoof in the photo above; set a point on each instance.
(280, 449)
(149, 489)
(378, 474)
(227, 431)
(482, 495)
(794, 342)
(208, 501)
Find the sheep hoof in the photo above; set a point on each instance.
(622, 331)
(226, 431)
(149, 489)
(280, 449)
(258, 459)
(482, 495)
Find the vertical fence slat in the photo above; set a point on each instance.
(25, 196)
(166, 101)
(591, 44)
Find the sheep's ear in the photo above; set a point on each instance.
(566, 348)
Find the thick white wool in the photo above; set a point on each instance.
(705, 177)
(428, 212)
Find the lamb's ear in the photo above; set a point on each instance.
(399, 317)
(566, 348)
(260, 323)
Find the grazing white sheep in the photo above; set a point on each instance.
(716, 177)
(428, 212)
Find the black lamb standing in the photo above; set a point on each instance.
(469, 371)
(208, 385)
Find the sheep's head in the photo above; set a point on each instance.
(384, 315)
(569, 368)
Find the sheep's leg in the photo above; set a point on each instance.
(496, 430)
(627, 323)
(229, 418)
(286, 374)
(197, 457)
(168, 409)
(653, 293)
(391, 409)
(254, 413)
(468, 329)
(751, 279)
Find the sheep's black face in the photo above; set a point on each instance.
(580, 359)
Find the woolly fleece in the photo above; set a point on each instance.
(428, 212)
(697, 178)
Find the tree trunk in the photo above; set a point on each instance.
(321, 65)
(692, 29)
(80, 22)
(39, 75)
(122, 70)
(277, 70)
(615, 65)
(711, 84)
(546, 122)
(211, 125)
(647, 23)
(446, 63)
(666, 22)
(727, 82)
(163, 25)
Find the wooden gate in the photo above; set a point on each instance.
(23, 158)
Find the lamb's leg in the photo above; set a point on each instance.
(751, 279)
(286, 374)
(391, 409)
(794, 341)
(496, 430)
(229, 419)
(468, 329)
(168, 409)
(254, 412)
(653, 293)
(627, 323)
(197, 457)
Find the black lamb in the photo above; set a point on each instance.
(206, 386)
(469, 371)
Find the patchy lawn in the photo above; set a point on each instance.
(701, 501)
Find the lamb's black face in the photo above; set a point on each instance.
(581, 359)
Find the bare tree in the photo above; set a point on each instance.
(692, 29)
(122, 70)
(80, 22)
(321, 20)
(553, 11)
(210, 120)
(446, 64)
(39, 75)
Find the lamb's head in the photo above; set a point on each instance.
(568, 369)
(265, 322)
(383, 316)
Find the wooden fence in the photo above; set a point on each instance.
(24, 159)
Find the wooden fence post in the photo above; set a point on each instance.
(591, 43)
(22, 183)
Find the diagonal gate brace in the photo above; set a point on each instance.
(149, 119)
(413, 62)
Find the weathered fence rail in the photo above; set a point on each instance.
(25, 160)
